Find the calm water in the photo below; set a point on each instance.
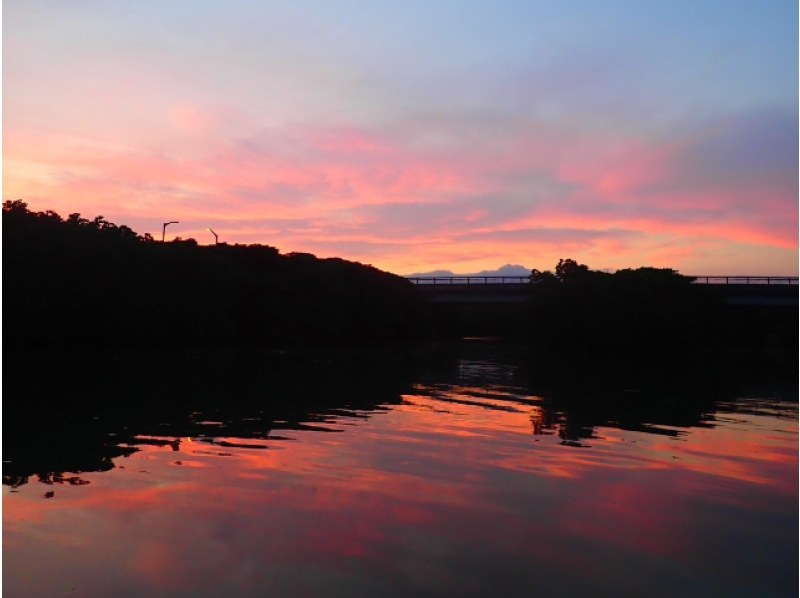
(449, 476)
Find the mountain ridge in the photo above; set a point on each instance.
(506, 270)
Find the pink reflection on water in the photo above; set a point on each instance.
(439, 494)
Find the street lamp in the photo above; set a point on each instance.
(216, 236)
(164, 228)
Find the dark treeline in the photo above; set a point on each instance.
(75, 281)
(624, 312)
(72, 282)
(651, 319)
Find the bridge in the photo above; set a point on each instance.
(737, 290)
(474, 289)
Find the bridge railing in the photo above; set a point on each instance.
(745, 280)
(478, 280)
(460, 280)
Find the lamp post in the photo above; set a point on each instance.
(164, 228)
(216, 236)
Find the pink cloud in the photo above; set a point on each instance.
(532, 193)
(617, 170)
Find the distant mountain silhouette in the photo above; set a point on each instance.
(507, 270)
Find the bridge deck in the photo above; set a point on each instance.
(737, 290)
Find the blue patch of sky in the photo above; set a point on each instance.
(604, 57)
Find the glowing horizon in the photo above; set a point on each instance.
(454, 137)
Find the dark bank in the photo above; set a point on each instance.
(72, 282)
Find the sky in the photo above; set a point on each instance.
(418, 135)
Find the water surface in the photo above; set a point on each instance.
(454, 477)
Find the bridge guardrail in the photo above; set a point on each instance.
(479, 280)
(451, 280)
(754, 280)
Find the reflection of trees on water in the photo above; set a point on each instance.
(572, 399)
(575, 422)
(574, 425)
(90, 410)
(48, 451)
(542, 421)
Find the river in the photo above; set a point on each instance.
(450, 472)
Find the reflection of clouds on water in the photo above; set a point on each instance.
(462, 482)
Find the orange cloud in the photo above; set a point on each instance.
(537, 194)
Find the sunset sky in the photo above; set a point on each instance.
(418, 135)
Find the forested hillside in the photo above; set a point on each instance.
(73, 281)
